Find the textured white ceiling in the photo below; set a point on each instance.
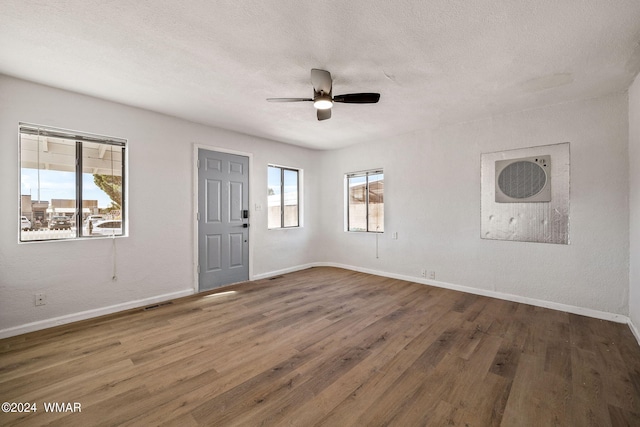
(215, 62)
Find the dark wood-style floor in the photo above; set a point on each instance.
(328, 347)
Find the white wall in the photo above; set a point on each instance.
(634, 202)
(157, 259)
(432, 200)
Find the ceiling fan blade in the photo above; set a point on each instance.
(324, 114)
(321, 80)
(358, 98)
(288, 99)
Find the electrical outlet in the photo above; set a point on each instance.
(394, 236)
(432, 275)
(41, 299)
(424, 272)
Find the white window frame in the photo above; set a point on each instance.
(347, 220)
(282, 204)
(80, 138)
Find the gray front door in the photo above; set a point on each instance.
(223, 233)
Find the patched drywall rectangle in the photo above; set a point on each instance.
(511, 186)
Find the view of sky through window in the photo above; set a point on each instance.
(60, 185)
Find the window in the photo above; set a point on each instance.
(283, 197)
(365, 201)
(68, 181)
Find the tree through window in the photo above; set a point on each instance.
(68, 182)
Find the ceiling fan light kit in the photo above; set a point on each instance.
(323, 102)
(322, 95)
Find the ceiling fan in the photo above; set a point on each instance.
(322, 95)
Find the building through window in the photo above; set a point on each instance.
(69, 182)
(283, 199)
(365, 201)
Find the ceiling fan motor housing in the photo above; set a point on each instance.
(323, 95)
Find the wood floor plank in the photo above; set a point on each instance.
(380, 382)
(328, 347)
(385, 334)
(588, 389)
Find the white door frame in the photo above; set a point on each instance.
(194, 211)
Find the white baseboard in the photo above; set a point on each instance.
(493, 294)
(499, 295)
(56, 321)
(286, 270)
(88, 314)
(634, 331)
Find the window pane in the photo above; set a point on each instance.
(67, 177)
(376, 203)
(290, 198)
(357, 186)
(48, 187)
(274, 197)
(101, 185)
(365, 202)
